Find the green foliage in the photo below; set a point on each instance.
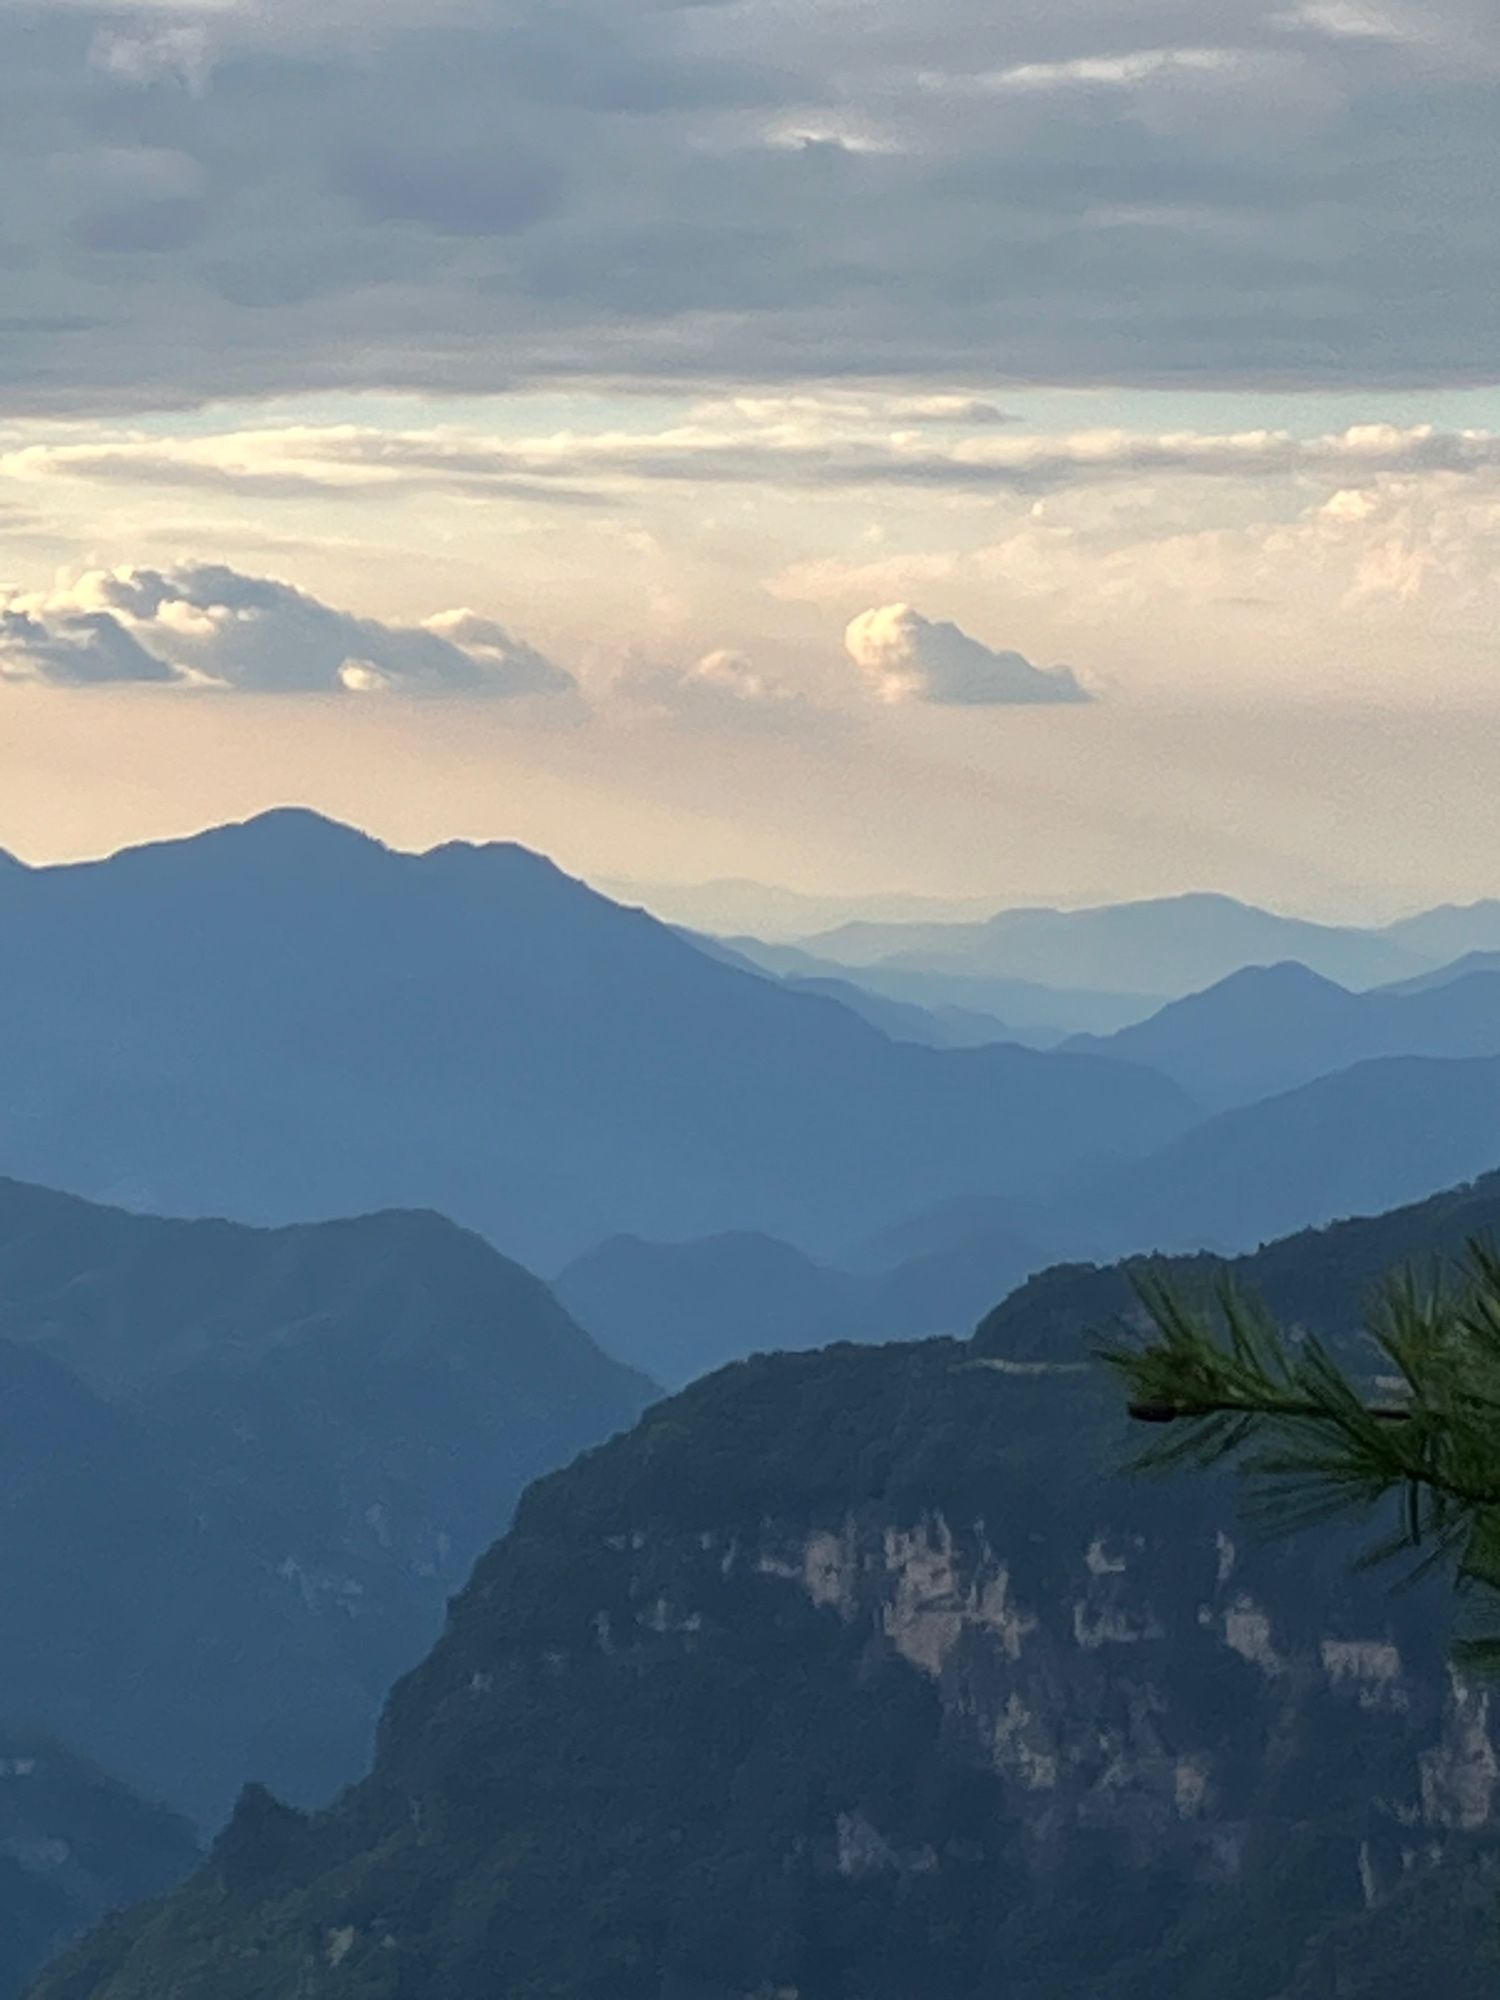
(1421, 1426)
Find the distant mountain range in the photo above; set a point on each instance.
(1446, 973)
(1356, 1142)
(864, 1671)
(1319, 1279)
(1170, 946)
(1020, 1010)
(678, 1310)
(286, 1020)
(74, 1845)
(241, 1472)
(770, 911)
(1271, 1028)
(1353, 1143)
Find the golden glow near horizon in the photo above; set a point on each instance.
(813, 475)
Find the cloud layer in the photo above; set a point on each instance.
(209, 626)
(232, 198)
(863, 446)
(907, 657)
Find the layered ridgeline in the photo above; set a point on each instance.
(1052, 974)
(1354, 1143)
(678, 1310)
(286, 1020)
(861, 1672)
(74, 1845)
(241, 1471)
(1169, 945)
(1357, 1142)
(1271, 1028)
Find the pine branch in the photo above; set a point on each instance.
(1229, 1383)
(1173, 1413)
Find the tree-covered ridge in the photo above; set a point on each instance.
(1321, 1279)
(860, 1673)
(241, 1472)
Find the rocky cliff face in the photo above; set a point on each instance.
(860, 1674)
(1092, 1706)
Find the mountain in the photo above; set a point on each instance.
(286, 1020)
(1172, 945)
(74, 1845)
(1353, 1143)
(242, 1471)
(1037, 1016)
(773, 911)
(143, 1621)
(680, 1310)
(1449, 932)
(865, 1672)
(942, 1026)
(1269, 1028)
(1320, 1278)
(1362, 1140)
(1444, 975)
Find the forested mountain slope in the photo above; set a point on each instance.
(244, 1469)
(866, 1672)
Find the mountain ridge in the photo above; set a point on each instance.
(865, 1665)
(287, 1021)
(297, 1441)
(1172, 944)
(1268, 1029)
(1375, 1136)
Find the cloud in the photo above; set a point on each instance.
(474, 194)
(1343, 18)
(820, 445)
(911, 658)
(1110, 72)
(73, 648)
(208, 626)
(723, 690)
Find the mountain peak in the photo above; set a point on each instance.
(293, 826)
(517, 858)
(1284, 975)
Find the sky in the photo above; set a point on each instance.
(1048, 451)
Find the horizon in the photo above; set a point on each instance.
(933, 451)
(955, 912)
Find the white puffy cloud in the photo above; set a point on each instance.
(723, 690)
(911, 658)
(209, 626)
(734, 673)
